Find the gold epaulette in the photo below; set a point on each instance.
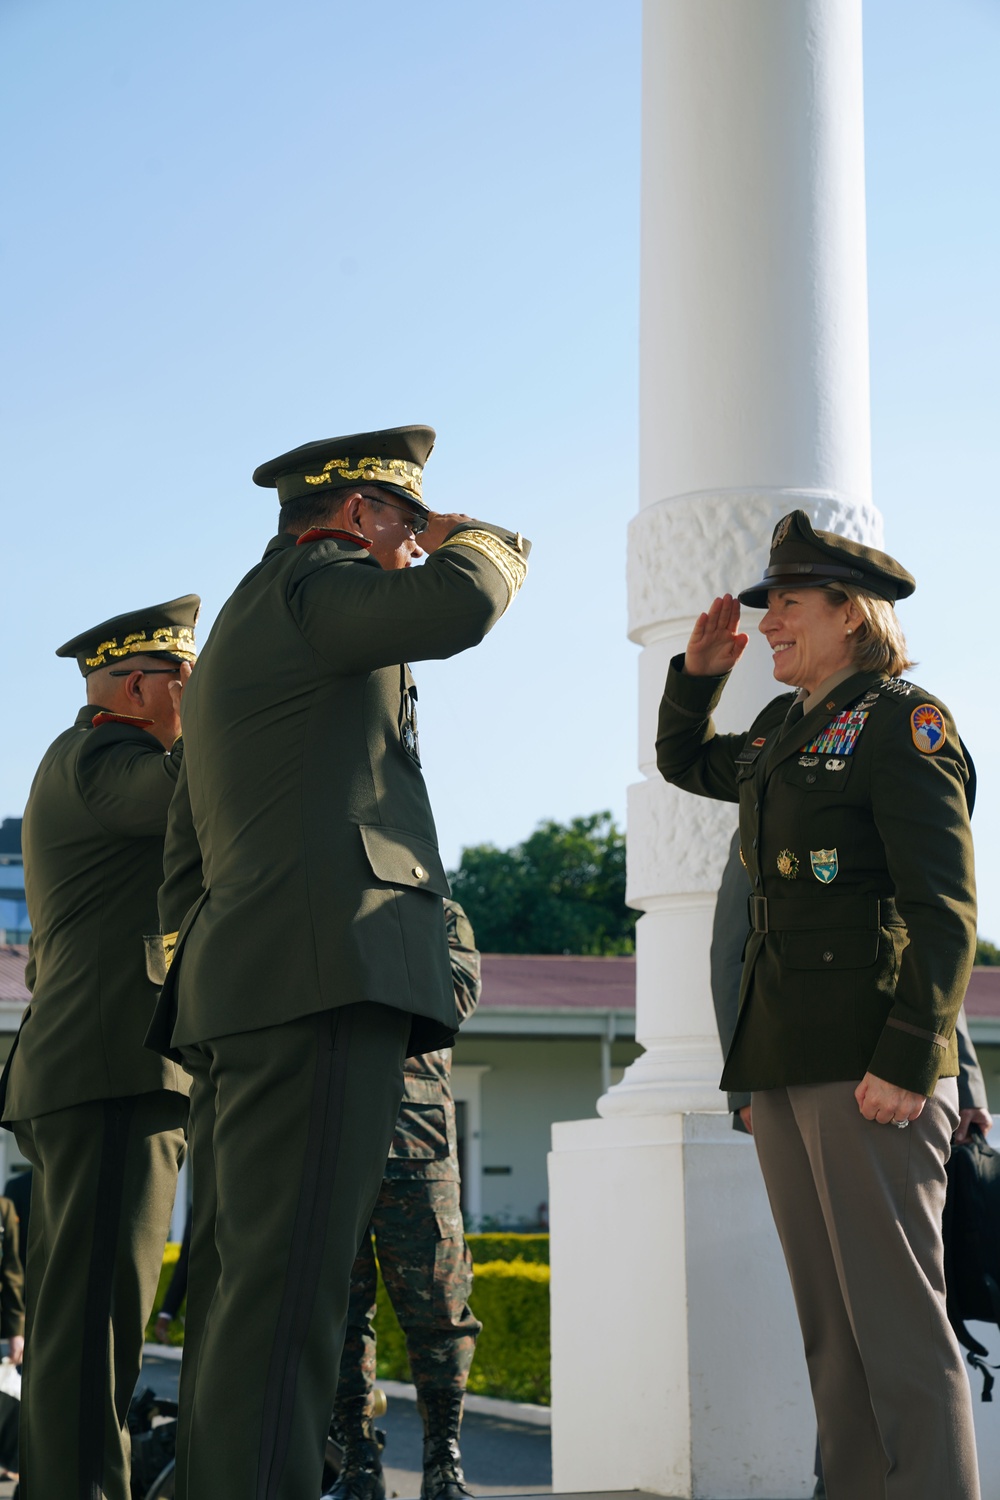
(505, 557)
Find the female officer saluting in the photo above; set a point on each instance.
(855, 833)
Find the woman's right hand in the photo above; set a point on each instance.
(716, 643)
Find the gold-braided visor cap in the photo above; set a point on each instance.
(165, 630)
(393, 458)
(804, 558)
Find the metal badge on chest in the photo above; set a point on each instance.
(409, 738)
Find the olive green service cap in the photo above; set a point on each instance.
(165, 630)
(393, 458)
(803, 558)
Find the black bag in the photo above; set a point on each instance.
(972, 1246)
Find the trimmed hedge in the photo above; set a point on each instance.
(511, 1299)
(532, 1247)
(510, 1296)
(170, 1256)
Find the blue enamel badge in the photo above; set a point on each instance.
(824, 864)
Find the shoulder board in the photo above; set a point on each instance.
(104, 717)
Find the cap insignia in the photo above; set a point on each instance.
(397, 471)
(782, 529)
(178, 639)
(928, 728)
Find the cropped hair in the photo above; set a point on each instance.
(879, 644)
(298, 516)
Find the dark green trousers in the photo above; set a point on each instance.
(290, 1131)
(105, 1174)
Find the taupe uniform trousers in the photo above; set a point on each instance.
(105, 1174)
(858, 1210)
(290, 1130)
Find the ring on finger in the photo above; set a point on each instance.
(900, 1124)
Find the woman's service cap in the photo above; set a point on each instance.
(804, 558)
(165, 630)
(393, 459)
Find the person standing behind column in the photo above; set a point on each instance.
(98, 1116)
(426, 1266)
(302, 904)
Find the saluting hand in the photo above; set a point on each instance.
(175, 689)
(439, 525)
(885, 1103)
(716, 643)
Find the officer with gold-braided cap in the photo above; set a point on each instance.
(101, 1119)
(303, 907)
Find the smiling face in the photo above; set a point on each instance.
(808, 633)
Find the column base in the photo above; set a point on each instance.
(677, 1365)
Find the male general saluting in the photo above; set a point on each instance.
(314, 956)
(99, 1117)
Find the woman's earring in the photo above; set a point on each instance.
(849, 630)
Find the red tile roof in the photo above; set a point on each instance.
(511, 981)
(982, 998)
(13, 958)
(523, 981)
(515, 981)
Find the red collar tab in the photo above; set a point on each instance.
(105, 717)
(320, 534)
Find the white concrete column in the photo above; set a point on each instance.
(754, 400)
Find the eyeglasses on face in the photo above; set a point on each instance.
(415, 523)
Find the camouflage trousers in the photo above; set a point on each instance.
(427, 1270)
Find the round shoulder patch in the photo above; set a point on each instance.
(927, 728)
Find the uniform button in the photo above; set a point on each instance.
(757, 881)
(755, 843)
(420, 872)
(756, 807)
(828, 957)
(810, 777)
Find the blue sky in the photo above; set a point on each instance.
(234, 227)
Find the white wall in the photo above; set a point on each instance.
(531, 1083)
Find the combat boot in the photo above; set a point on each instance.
(353, 1427)
(443, 1479)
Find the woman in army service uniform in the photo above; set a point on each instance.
(854, 797)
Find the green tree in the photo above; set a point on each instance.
(987, 954)
(561, 891)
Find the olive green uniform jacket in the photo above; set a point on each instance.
(93, 848)
(729, 937)
(301, 810)
(864, 970)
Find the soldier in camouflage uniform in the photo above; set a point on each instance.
(426, 1266)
